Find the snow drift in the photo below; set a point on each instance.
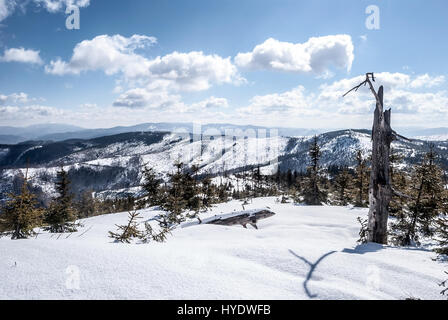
(300, 253)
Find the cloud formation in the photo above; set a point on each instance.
(142, 98)
(404, 93)
(35, 112)
(292, 102)
(407, 95)
(21, 55)
(7, 7)
(111, 54)
(193, 71)
(211, 103)
(15, 98)
(58, 5)
(316, 55)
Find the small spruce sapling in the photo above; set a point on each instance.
(126, 233)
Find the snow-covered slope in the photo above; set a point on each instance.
(300, 253)
(112, 164)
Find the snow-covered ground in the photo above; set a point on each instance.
(300, 253)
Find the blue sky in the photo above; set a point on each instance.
(275, 63)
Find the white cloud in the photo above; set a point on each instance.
(211, 103)
(58, 5)
(291, 102)
(27, 113)
(414, 99)
(7, 7)
(316, 55)
(390, 81)
(407, 95)
(111, 54)
(17, 98)
(403, 93)
(143, 98)
(21, 55)
(193, 71)
(427, 81)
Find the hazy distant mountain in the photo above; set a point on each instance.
(432, 134)
(61, 132)
(10, 134)
(10, 139)
(170, 127)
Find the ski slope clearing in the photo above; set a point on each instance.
(300, 253)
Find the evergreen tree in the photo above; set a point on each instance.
(223, 192)
(151, 186)
(60, 216)
(313, 193)
(442, 235)
(21, 215)
(343, 184)
(174, 201)
(129, 231)
(192, 191)
(289, 178)
(258, 188)
(87, 205)
(398, 180)
(208, 192)
(427, 193)
(361, 181)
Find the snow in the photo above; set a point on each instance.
(221, 262)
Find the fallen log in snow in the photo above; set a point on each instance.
(239, 217)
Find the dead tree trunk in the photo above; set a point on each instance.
(380, 191)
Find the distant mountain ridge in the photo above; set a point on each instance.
(11, 135)
(170, 127)
(61, 132)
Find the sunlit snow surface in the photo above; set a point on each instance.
(218, 262)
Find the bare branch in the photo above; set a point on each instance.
(400, 194)
(355, 88)
(400, 136)
(367, 81)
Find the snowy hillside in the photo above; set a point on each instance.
(113, 164)
(300, 253)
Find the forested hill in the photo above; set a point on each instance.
(115, 162)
